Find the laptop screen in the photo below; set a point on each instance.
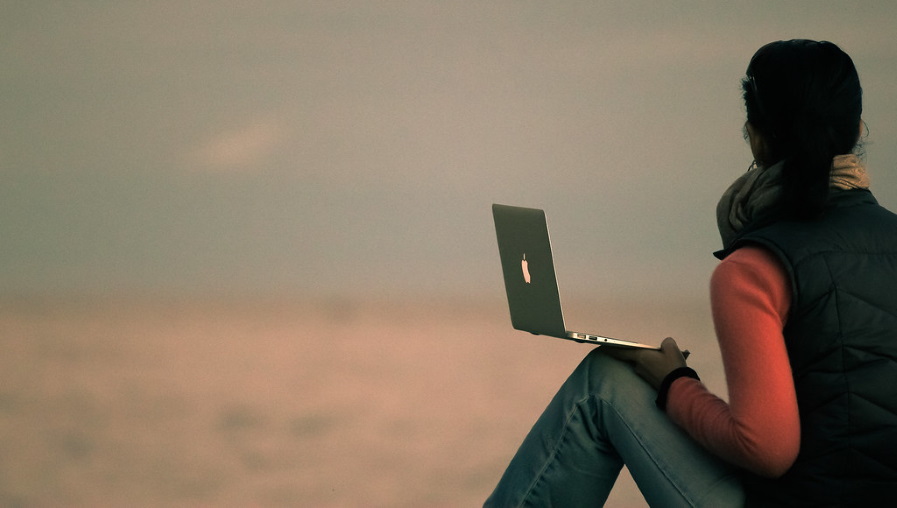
(528, 268)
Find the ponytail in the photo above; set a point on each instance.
(807, 173)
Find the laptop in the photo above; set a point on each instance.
(530, 280)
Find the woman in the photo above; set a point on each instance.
(804, 304)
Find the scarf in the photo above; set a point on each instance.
(754, 194)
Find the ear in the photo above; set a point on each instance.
(759, 146)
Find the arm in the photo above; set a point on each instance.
(759, 429)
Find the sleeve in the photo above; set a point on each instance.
(759, 429)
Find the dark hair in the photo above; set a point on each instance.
(805, 99)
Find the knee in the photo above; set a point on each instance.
(598, 363)
(608, 377)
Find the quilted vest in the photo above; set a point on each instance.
(841, 337)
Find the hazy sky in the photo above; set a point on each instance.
(349, 147)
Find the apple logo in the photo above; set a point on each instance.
(525, 266)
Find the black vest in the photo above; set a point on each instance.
(841, 337)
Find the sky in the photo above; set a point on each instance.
(349, 148)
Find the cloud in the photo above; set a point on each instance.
(243, 147)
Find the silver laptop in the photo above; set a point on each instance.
(530, 280)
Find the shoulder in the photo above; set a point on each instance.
(752, 273)
(752, 259)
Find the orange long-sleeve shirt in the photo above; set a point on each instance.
(759, 428)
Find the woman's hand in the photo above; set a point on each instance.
(651, 364)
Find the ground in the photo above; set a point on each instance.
(281, 401)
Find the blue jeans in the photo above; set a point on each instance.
(603, 417)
